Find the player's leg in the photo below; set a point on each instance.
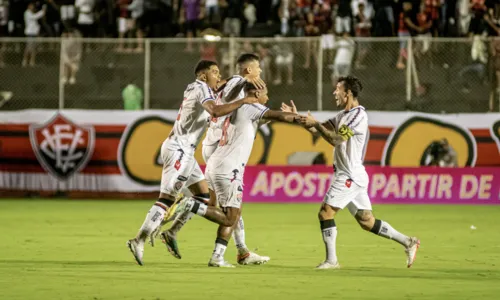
(171, 183)
(328, 227)
(361, 209)
(199, 190)
(223, 235)
(337, 197)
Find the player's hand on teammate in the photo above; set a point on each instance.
(345, 132)
(259, 83)
(289, 109)
(307, 121)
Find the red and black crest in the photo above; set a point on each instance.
(61, 146)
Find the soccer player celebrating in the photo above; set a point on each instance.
(180, 168)
(249, 71)
(226, 166)
(347, 132)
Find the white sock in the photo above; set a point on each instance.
(239, 237)
(153, 220)
(180, 221)
(220, 249)
(385, 229)
(329, 232)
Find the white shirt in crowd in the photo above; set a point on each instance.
(32, 28)
(86, 14)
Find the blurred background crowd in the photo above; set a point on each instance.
(168, 18)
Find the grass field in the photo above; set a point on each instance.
(76, 250)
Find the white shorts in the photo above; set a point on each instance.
(180, 168)
(345, 192)
(342, 24)
(327, 41)
(124, 25)
(207, 151)
(228, 188)
(284, 59)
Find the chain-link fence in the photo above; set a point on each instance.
(423, 74)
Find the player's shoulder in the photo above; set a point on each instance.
(233, 81)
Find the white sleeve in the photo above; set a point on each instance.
(359, 123)
(255, 111)
(332, 122)
(230, 85)
(205, 94)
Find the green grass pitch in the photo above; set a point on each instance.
(76, 250)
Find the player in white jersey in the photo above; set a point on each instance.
(226, 166)
(348, 133)
(180, 168)
(249, 70)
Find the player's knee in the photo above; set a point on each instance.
(326, 213)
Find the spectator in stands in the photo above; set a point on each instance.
(212, 13)
(250, 14)
(363, 26)
(265, 61)
(284, 15)
(137, 12)
(343, 19)
(85, 19)
(432, 11)
(283, 54)
(297, 21)
(477, 24)
(192, 17)
(71, 54)
(232, 23)
(406, 29)
(52, 19)
(124, 21)
(67, 11)
(311, 29)
(424, 21)
(384, 18)
(31, 30)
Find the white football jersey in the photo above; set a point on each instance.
(192, 119)
(348, 156)
(238, 135)
(214, 131)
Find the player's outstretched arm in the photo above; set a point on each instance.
(328, 135)
(221, 110)
(280, 116)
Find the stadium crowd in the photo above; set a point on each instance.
(167, 18)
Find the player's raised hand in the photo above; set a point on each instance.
(259, 83)
(250, 100)
(290, 109)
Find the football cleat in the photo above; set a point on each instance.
(171, 243)
(328, 265)
(137, 250)
(219, 264)
(251, 258)
(411, 251)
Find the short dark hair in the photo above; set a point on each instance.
(203, 65)
(352, 84)
(246, 57)
(249, 87)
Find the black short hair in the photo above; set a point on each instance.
(249, 87)
(352, 84)
(203, 65)
(246, 57)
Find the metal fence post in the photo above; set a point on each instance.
(232, 54)
(61, 74)
(319, 96)
(147, 72)
(409, 63)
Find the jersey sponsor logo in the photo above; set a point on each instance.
(235, 174)
(178, 185)
(61, 146)
(182, 178)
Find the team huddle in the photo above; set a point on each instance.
(231, 112)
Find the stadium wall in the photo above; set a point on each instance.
(86, 153)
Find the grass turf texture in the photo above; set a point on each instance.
(76, 250)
